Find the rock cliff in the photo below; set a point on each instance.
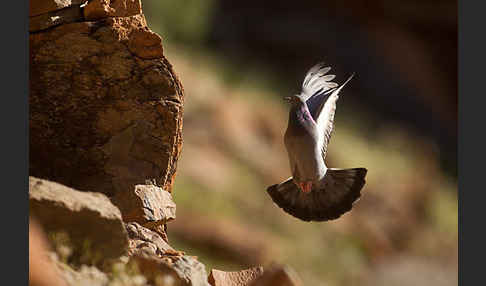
(105, 136)
(105, 104)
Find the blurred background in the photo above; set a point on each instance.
(397, 117)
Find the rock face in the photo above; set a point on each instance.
(92, 222)
(105, 104)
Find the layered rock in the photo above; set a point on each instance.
(88, 235)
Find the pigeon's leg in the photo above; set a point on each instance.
(301, 186)
(307, 187)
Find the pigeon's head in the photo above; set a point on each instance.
(294, 100)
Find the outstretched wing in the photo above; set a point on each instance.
(317, 82)
(322, 107)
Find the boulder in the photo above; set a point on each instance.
(92, 223)
(105, 105)
(147, 205)
(235, 278)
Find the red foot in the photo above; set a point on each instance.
(306, 187)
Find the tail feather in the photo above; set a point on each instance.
(334, 196)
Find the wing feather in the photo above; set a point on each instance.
(316, 81)
(325, 116)
(321, 95)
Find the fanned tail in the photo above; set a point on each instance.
(329, 200)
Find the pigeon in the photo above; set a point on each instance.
(315, 192)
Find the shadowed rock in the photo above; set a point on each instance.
(92, 223)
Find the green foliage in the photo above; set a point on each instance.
(62, 244)
(179, 20)
(126, 274)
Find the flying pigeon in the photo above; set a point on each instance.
(315, 192)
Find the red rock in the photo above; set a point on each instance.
(146, 44)
(37, 7)
(67, 15)
(102, 118)
(148, 205)
(98, 9)
(235, 278)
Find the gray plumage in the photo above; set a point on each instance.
(315, 192)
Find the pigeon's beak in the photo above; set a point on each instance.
(287, 98)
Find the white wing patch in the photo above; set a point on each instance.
(325, 119)
(321, 95)
(316, 81)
